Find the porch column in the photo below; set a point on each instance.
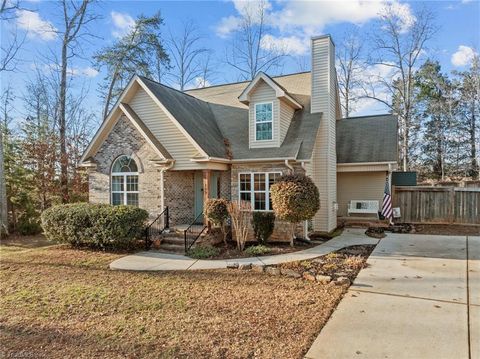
(206, 192)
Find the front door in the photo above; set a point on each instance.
(199, 191)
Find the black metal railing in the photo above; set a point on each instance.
(193, 232)
(157, 227)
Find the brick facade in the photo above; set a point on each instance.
(179, 186)
(124, 139)
(179, 196)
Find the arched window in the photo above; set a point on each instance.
(124, 181)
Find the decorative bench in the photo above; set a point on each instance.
(363, 207)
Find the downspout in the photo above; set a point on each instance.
(289, 166)
(162, 190)
(305, 223)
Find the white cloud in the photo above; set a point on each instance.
(227, 25)
(463, 56)
(198, 82)
(291, 45)
(89, 72)
(123, 23)
(36, 27)
(466, 1)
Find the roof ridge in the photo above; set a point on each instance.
(171, 88)
(241, 82)
(380, 115)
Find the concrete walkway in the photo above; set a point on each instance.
(159, 261)
(419, 298)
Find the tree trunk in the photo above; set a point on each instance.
(473, 151)
(3, 192)
(62, 124)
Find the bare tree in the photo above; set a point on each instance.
(349, 70)
(76, 16)
(399, 42)
(468, 83)
(10, 48)
(187, 55)
(249, 53)
(7, 99)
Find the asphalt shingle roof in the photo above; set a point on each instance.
(214, 114)
(367, 139)
(193, 114)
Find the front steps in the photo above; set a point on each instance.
(174, 241)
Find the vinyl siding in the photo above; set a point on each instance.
(324, 154)
(286, 115)
(359, 186)
(180, 148)
(264, 93)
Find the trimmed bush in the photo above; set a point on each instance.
(94, 225)
(295, 198)
(257, 250)
(263, 224)
(216, 211)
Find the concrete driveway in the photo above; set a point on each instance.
(419, 298)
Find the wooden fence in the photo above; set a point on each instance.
(437, 204)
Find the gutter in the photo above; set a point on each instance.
(289, 166)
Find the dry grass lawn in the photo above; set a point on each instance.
(57, 302)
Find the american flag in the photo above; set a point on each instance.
(387, 211)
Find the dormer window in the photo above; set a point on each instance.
(263, 121)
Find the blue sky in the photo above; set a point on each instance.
(292, 25)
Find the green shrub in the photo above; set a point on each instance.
(263, 224)
(257, 250)
(29, 227)
(216, 211)
(202, 252)
(94, 225)
(295, 198)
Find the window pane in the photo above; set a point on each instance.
(259, 201)
(245, 182)
(117, 183)
(263, 112)
(117, 198)
(132, 199)
(132, 183)
(245, 196)
(259, 181)
(264, 131)
(124, 164)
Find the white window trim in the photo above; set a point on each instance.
(252, 189)
(255, 120)
(124, 192)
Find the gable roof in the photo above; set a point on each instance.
(298, 143)
(367, 139)
(280, 91)
(194, 115)
(297, 84)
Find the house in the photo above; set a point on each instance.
(161, 147)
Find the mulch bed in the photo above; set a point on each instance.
(230, 250)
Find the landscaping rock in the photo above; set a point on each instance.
(309, 276)
(245, 266)
(319, 261)
(323, 279)
(233, 265)
(342, 280)
(272, 270)
(290, 273)
(259, 268)
(341, 274)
